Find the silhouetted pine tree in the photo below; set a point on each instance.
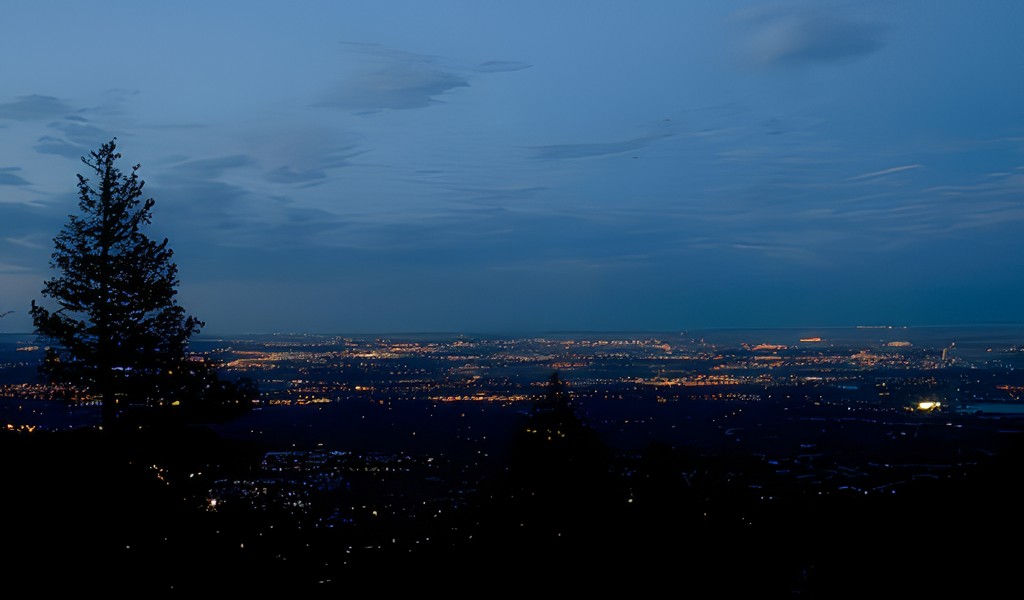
(119, 331)
(556, 446)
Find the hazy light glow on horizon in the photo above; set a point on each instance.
(465, 166)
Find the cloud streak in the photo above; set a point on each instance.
(806, 34)
(568, 151)
(26, 241)
(34, 107)
(884, 172)
(87, 136)
(395, 87)
(286, 174)
(49, 144)
(9, 268)
(211, 168)
(501, 66)
(398, 80)
(9, 176)
(74, 138)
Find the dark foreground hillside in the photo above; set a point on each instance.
(128, 513)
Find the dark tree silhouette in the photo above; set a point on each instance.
(119, 331)
(556, 399)
(556, 446)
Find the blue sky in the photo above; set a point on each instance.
(489, 167)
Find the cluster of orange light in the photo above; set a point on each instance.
(483, 397)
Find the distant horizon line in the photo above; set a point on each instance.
(524, 332)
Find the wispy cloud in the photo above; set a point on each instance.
(1011, 183)
(114, 102)
(562, 151)
(49, 144)
(397, 86)
(501, 66)
(9, 268)
(34, 107)
(809, 34)
(286, 174)
(82, 134)
(72, 137)
(383, 52)
(26, 241)
(400, 80)
(485, 194)
(393, 79)
(561, 264)
(9, 176)
(211, 168)
(884, 172)
(205, 212)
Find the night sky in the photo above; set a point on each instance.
(525, 166)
